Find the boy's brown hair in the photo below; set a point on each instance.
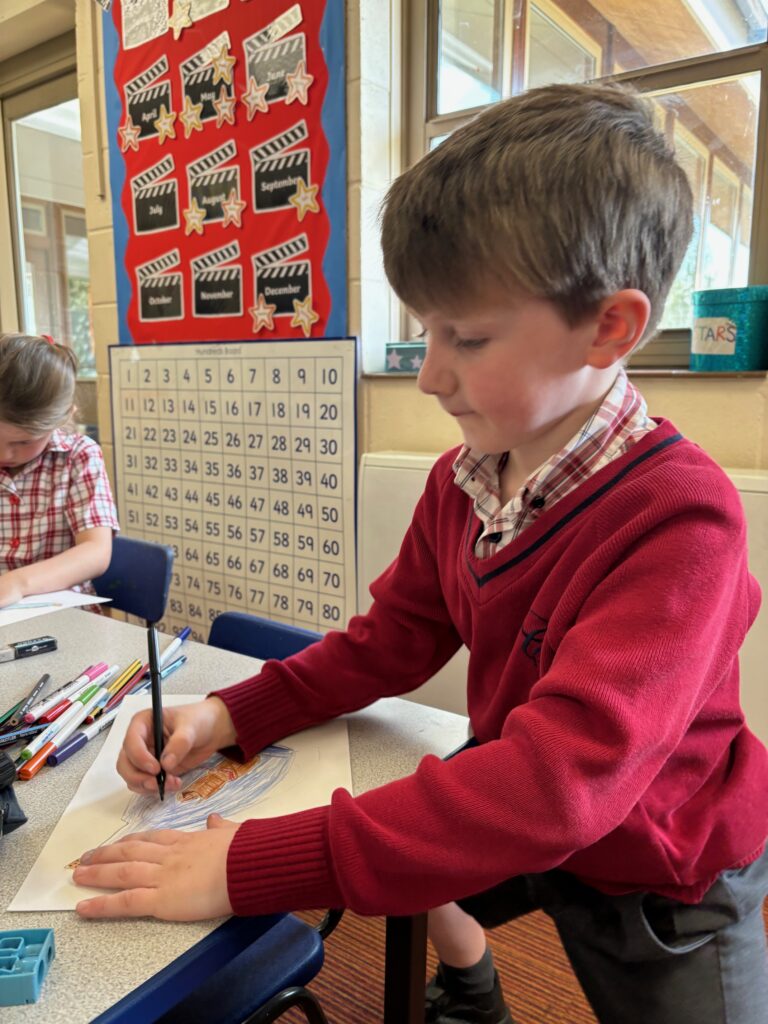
(37, 383)
(567, 193)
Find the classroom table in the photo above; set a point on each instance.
(99, 962)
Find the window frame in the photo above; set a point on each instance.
(423, 123)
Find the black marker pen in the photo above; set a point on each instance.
(26, 648)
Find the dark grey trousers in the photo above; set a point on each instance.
(645, 959)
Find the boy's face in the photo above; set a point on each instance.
(17, 447)
(507, 371)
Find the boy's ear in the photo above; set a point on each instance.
(620, 323)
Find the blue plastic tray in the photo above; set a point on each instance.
(25, 957)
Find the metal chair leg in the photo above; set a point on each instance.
(283, 1001)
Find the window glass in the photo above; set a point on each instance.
(704, 120)
(482, 56)
(557, 50)
(468, 68)
(53, 247)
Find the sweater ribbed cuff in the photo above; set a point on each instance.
(282, 864)
(262, 711)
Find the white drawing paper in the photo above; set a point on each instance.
(44, 604)
(299, 772)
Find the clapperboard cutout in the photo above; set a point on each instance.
(269, 56)
(202, 8)
(160, 293)
(279, 281)
(144, 95)
(155, 201)
(197, 77)
(217, 290)
(143, 20)
(275, 172)
(210, 182)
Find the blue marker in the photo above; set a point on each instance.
(174, 645)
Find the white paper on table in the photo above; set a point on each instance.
(53, 602)
(320, 764)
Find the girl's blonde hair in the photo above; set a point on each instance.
(37, 383)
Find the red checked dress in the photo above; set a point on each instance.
(62, 492)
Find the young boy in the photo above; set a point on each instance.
(594, 563)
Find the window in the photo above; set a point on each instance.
(47, 201)
(701, 61)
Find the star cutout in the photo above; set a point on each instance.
(304, 199)
(233, 207)
(190, 116)
(416, 362)
(255, 98)
(262, 315)
(222, 66)
(224, 107)
(129, 135)
(298, 84)
(181, 18)
(393, 360)
(303, 315)
(164, 125)
(194, 217)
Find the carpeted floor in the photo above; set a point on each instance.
(537, 978)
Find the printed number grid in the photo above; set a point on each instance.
(242, 458)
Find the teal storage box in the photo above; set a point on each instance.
(730, 329)
(405, 356)
(25, 957)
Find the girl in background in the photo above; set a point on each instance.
(57, 515)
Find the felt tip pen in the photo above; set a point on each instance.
(18, 717)
(78, 739)
(174, 645)
(63, 705)
(72, 714)
(64, 691)
(32, 765)
(26, 648)
(8, 739)
(50, 731)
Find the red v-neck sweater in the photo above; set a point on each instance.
(602, 685)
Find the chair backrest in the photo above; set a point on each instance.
(259, 638)
(138, 577)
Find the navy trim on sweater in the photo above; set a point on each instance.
(577, 510)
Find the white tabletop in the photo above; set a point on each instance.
(98, 962)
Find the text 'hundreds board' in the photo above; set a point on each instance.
(241, 456)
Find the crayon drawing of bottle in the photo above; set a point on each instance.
(218, 785)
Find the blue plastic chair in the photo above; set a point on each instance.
(138, 578)
(251, 970)
(258, 638)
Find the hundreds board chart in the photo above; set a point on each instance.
(241, 457)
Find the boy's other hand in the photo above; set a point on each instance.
(192, 732)
(174, 876)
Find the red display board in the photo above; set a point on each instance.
(227, 163)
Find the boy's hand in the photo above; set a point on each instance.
(174, 876)
(192, 733)
(11, 589)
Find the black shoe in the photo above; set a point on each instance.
(444, 1007)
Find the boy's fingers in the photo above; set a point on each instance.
(177, 746)
(136, 744)
(129, 903)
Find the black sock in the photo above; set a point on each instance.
(472, 980)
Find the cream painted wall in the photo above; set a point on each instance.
(729, 418)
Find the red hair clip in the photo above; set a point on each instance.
(48, 338)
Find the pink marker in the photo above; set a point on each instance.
(50, 702)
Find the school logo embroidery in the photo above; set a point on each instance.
(533, 629)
